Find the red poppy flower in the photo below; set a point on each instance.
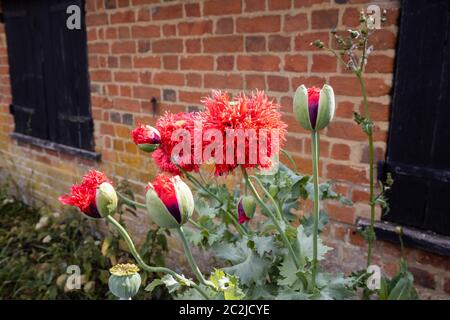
(176, 197)
(83, 195)
(313, 104)
(176, 124)
(251, 113)
(146, 137)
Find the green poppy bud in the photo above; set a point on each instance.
(124, 281)
(313, 107)
(169, 201)
(246, 209)
(106, 199)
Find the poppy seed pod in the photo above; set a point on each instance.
(169, 201)
(146, 138)
(246, 209)
(106, 199)
(313, 107)
(124, 281)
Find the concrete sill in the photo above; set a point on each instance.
(56, 146)
(425, 240)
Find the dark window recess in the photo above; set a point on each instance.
(419, 137)
(48, 70)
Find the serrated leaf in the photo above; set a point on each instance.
(263, 245)
(288, 272)
(308, 222)
(170, 282)
(305, 245)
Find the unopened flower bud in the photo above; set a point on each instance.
(246, 209)
(106, 199)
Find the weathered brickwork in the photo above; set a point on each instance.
(177, 51)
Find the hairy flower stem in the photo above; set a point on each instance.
(232, 218)
(372, 203)
(272, 216)
(130, 202)
(145, 266)
(315, 169)
(190, 257)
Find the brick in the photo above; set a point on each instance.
(100, 75)
(313, 81)
(99, 48)
(146, 62)
(229, 81)
(195, 28)
(143, 14)
(278, 83)
(197, 63)
(323, 63)
(169, 30)
(350, 17)
(144, 46)
(423, 278)
(280, 4)
(308, 3)
(130, 105)
(346, 130)
(167, 12)
(144, 92)
(296, 63)
(169, 95)
(255, 43)
(377, 111)
(167, 46)
(125, 76)
(192, 9)
(191, 96)
(304, 40)
(123, 17)
(127, 119)
(193, 46)
(96, 19)
(340, 151)
(107, 129)
(349, 86)
(383, 39)
(253, 81)
(170, 62)
(145, 31)
(123, 47)
(360, 195)
(169, 78)
(297, 22)
(124, 32)
(380, 64)
(194, 80)
(259, 63)
(225, 63)
(224, 26)
(125, 62)
(254, 5)
(378, 154)
(220, 7)
(324, 19)
(345, 109)
(279, 43)
(258, 24)
(223, 44)
(347, 173)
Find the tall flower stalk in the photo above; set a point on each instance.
(314, 109)
(358, 40)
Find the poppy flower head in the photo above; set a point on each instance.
(313, 104)
(242, 217)
(145, 134)
(254, 113)
(165, 189)
(83, 195)
(168, 126)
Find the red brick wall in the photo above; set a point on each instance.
(177, 51)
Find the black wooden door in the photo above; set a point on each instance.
(419, 139)
(48, 69)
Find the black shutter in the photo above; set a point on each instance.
(49, 74)
(419, 136)
(26, 60)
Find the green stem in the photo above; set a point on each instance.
(233, 219)
(141, 262)
(130, 202)
(275, 221)
(315, 168)
(196, 224)
(190, 257)
(275, 204)
(291, 160)
(370, 237)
